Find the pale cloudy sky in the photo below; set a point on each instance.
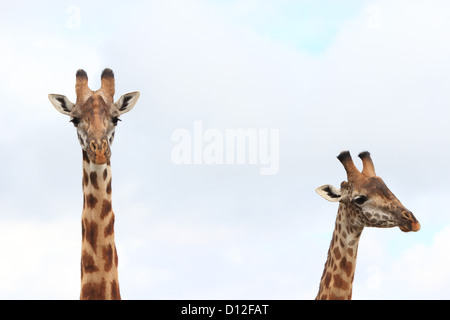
(358, 75)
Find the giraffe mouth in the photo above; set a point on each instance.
(410, 226)
(100, 159)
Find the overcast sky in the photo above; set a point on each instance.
(358, 75)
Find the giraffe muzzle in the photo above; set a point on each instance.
(99, 153)
(409, 222)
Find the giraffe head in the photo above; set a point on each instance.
(95, 114)
(368, 200)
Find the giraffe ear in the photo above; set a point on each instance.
(127, 102)
(61, 103)
(330, 193)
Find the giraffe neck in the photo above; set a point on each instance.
(99, 277)
(339, 271)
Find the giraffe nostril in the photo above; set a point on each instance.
(407, 215)
(104, 145)
(93, 145)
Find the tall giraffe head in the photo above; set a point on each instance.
(368, 200)
(95, 114)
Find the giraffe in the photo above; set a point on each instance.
(364, 201)
(95, 116)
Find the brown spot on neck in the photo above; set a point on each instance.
(91, 233)
(106, 208)
(108, 187)
(85, 178)
(93, 176)
(88, 263)
(337, 253)
(108, 257)
(109, 229)
(346, 266)
(340, 283)
(91, 201)
(94, 290)
(115, 292)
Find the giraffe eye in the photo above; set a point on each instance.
(115, 120)
(359, 200)
(75, 121)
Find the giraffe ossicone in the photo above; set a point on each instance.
(95, 116)
(364, 201)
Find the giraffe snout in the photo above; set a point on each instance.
(410, 222)
(99, 151)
